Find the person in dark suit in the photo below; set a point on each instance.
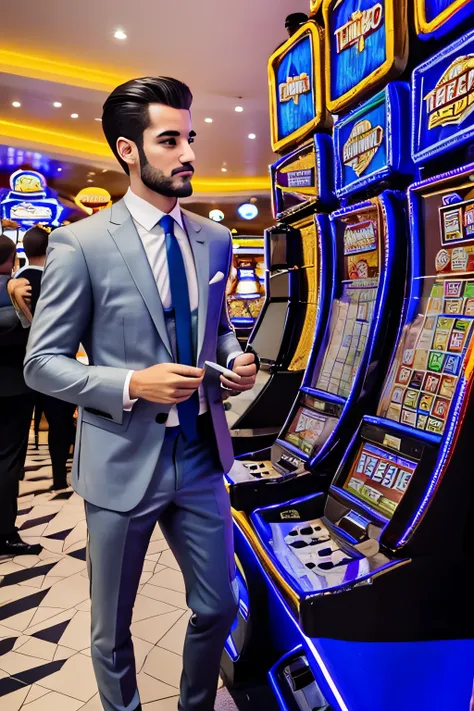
(25, 291)
(16, 409)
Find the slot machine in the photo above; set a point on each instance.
(347, 365)
(246, 288)
(436, 18)
(298, 249)
(378, 561)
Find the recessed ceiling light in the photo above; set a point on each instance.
(247, 211)
(57, 104)
(216, 215)
(208, 120)
(74, 115)
(91, 172)
(60, 170)
(104, 170)
(252, 136)
(239, 109)
(224, 170)
(90, 180)
(120, 34)
(97, 119)
(16, 104)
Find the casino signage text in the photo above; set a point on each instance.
(294, 87)
(452, 99)
(362, 145)
(362, 24)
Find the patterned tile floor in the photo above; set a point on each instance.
(45, 662)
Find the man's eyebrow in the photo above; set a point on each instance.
(175, 134)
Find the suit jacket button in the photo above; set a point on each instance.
(161, 418)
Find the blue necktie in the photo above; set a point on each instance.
(188, 410)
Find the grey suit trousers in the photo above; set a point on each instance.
(188, 498)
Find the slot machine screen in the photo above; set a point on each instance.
(431, 355)
(380, 478)
(353, 308)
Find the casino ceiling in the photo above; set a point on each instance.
(63, 53)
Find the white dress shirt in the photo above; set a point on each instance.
(146, 217)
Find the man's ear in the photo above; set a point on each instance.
(127, 150)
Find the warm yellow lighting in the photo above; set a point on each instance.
(120, 35)
(16, 104)
(58, 70)
(208, 120)
(74, 144)
(74, 116)
(224, 170)
(57, 104)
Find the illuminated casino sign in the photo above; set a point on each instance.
(360, 237)
(362, 145)
(434, 18)
(452, 99)
(93, 200)
(360, 26)
(366, 46)
(372, 142)
(296, 86)
(443, 96)
(30, 201)
(304, 177)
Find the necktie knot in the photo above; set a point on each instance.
(167, 224)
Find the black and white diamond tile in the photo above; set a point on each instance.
(45, 662)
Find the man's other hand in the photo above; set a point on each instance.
(245, 366)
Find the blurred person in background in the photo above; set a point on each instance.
(16, 409)
(25, 291)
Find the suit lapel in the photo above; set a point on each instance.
(200, 247)
(123, 231)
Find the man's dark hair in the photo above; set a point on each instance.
(126, 109)
(35, 242)
(7, 250)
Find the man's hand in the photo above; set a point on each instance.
(166, 383)
(19, 291)
(245, 366)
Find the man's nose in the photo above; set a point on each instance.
(188, 156)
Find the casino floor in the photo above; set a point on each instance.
(45, 662)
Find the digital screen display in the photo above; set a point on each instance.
(420, 389)
(305, 430)
(352, 311)
(380, 478)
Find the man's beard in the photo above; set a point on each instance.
(157, 181)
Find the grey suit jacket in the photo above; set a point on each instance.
(98, 289)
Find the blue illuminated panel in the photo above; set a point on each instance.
(435, 18)
(443, 101)
(304, 177)
(372, 142)
(366, 46)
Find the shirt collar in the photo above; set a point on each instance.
(148, 215)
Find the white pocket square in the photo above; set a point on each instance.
(218, 276)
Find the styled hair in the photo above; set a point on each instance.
(125, 112)
(35, 242)
(7, 250)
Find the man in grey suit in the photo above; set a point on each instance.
(142, 286)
